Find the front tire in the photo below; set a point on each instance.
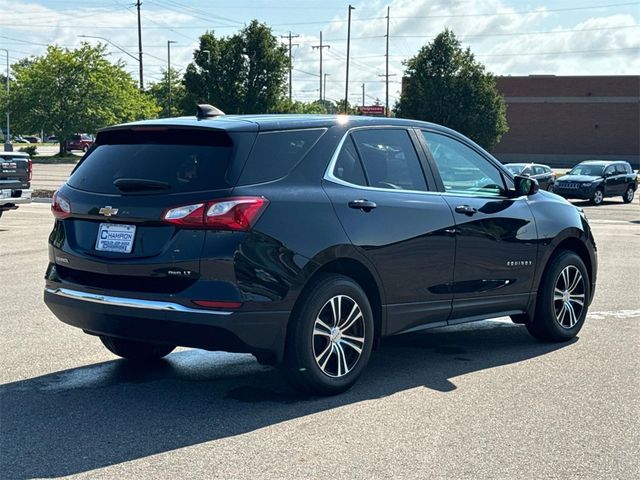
(563, 298)
(628, 195)
(598, 197)
(330, 337)
(136, 351)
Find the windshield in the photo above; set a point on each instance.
(590, 170)
(515, 169)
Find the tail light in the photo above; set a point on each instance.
(30, 169)
(60, 206)
(235, 213)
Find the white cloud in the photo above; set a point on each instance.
(506, 42)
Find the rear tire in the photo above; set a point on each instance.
(136, 351)
(628, 195)
(330, 337)
(562, 300)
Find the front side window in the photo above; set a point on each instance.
(610, 170)
(463, 170)
(389, 159)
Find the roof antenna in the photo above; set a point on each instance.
(204, 110)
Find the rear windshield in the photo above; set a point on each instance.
(163, 161)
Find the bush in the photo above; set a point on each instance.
(31, 150)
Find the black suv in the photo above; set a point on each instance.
(305, 239)
(594, 180)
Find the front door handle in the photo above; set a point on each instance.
(362, 204)
(466, 209)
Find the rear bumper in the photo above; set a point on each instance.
(171, 323)
(12, 202)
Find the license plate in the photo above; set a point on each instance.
(5, 193)
(115, 238)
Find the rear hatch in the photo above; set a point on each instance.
(119, 193)
(15, 171)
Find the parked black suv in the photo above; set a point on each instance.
(305, 239)
(594, 180)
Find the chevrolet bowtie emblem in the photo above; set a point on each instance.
(108, 211)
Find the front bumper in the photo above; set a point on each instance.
(9, 203)
(166, 322)
(579, 193)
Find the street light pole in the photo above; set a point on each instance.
(324, 90)
(7, 139)
(169, 42)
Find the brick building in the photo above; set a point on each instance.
(563, 120)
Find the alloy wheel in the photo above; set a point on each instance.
(338, 336)
(630, 194)
(569, 297)
(598, 197)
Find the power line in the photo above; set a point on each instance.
(290, 64)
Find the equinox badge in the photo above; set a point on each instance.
(108, 211)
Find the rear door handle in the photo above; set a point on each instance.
(466, 209)
(362, 204)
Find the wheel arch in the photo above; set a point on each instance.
(362, 275)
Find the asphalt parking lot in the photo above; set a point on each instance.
(476, 401)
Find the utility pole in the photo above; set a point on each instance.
(346, 85)
(324, 89)
(387, 75)
(7, 139)
(320, 47)
(290, 62)
(363, 94)
(140, 45)
(169, 42)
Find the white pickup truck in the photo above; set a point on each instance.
(15, 180)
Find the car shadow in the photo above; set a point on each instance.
(98, 415)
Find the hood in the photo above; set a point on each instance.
(579, 178)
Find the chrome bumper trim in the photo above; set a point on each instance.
(129, 302)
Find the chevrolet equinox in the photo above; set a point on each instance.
(304, 240)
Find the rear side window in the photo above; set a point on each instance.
(390, 160)
(621, 169)
(348, 166)
(156, 161)
(275, 154)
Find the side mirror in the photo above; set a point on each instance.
(525, 185)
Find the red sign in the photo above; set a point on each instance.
(373, 110)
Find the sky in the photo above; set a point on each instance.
(511, 37)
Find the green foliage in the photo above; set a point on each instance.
(446, 85)
(70, 91)
(31, 150)
(243, 73)
(160, 92)
(351, 109)
(295, 106)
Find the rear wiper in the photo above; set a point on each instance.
(137, 184)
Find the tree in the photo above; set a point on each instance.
(317, 107)
(70, 91)
(160, 92)
(243, 73)
(445, 84)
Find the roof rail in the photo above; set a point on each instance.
(204, 110)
